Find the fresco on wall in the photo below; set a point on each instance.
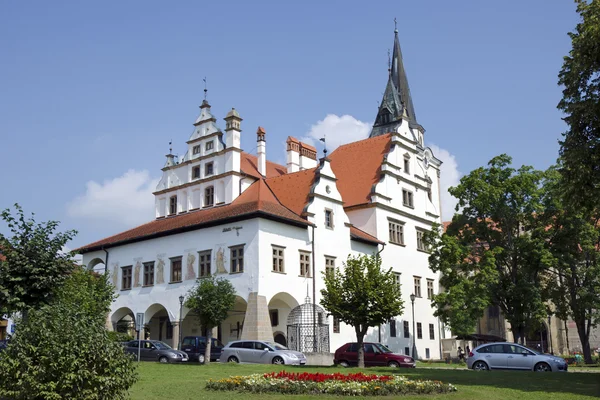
(136, 274)
(190, 273)
(115, 274)
(220, 261)
(160, 269)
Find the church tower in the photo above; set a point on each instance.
(396, 106)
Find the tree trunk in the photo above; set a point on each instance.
(208, 345)
(516, 333)
(361, 348)
(567, 337)
(584, 337)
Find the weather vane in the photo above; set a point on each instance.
(170, 147)
(205, 89)
(395, 25)
(324, 145)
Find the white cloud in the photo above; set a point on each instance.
(126, 200)
(450, 177)
(337, 130)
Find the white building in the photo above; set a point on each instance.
(272, 230)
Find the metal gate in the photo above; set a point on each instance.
(307, 330)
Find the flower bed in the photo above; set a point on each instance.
(358, 384)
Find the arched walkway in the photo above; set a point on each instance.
(158, 325)
(96, 265)
(231, 328)
(123, 320)
(280, 307)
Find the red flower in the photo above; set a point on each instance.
(319, 377)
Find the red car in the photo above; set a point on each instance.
(376, 355)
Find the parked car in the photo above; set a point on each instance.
(256, 351)
(155, 350)
(195, 347)
(513, 356)
(376, 355)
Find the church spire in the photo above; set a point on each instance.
(397, 104)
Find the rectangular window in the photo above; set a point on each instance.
(278, 264)
(237, 259)
(208, 169)
(336, 325)
(209, 196)
(149, 273)
(419, 331)
(406, 351)
(176, 269)
(427, 355)
(329, 219)
(397, 276)
(126, 277)
(431, 332)
(420, 243)
(407, 165)
(173, 205)
(406, 330)
(196, 150)
(329, 265)
(407, 198)
(196, 173)
(417, 291)
(274, 317)
(305, 264)
(396, 232)
(204, 262)
(392, 327)
(430, 288)
(209, 145)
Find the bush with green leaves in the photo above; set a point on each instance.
(63, 351)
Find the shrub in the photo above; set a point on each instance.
(119, 336)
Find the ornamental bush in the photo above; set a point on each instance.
(63, 350)
(336, 384)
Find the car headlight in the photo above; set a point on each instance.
(292, 356)
(407, 360)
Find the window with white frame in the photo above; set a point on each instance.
(237, 259)
(396, 232)
(209, 145)
(407, 198)
(328, 218)
(407, 164)
(196, 172)
(176, 275)
(329, 265)
(417, 280)
(430, 288)
(209, 196)
(420, 242)
(173, 205)
(149, 273)
(204, 263)
(126, 274)
(397, 277)
(305, 264)
(278, 259)
(196, 150)
(208, 169)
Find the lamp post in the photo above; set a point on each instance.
(414, 346)
(550, 333)
(181, 298)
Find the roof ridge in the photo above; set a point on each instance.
(279, 201)
(361, 141)
(292, 173)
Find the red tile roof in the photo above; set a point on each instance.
(249, 166)
(357, 167)
(292, 190)
(256, 201)
(363, 236)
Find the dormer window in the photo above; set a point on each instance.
(209, 145)
(173, 205)
(196, 150)
(208, 169)
(196, 173)
(385, 117)
(209, 196)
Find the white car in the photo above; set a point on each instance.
(259, 352)
(513, 356)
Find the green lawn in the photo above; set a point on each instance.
(166, 381)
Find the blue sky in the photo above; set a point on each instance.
(91, 94)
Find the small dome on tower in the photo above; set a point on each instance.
(232, 113)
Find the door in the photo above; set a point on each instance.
(263, 353)
(248, 353)
(189, 346)
(148, 351)
(494, 356)
(518, 357)
(351, 354)
(373, 357)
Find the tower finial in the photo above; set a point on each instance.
(324, 146)
(389, 62)
(170, 146)
(395, 25)
(205, 89)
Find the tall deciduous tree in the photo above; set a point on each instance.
(580, 77)
(210, 299)
(574, 240)
(33, 266)
(493, 252)
(362, 295)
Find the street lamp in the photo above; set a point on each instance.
(181, 298)
(414, 346)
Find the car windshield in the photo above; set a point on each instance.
(217, 343)
(277, 346)
(383, 348)
(533, 351)
(161, 345)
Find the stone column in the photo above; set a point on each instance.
(257, 323)
(175, 339)
(109, 325)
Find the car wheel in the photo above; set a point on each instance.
(278, 361)
(163, 360)
(480, 366)
(233, 359)
(542, 367)
(201, 359)
(393, 364)
(344, 364)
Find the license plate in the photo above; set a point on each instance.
(185, 359)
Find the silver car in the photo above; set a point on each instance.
(259, 352)
(514, 357)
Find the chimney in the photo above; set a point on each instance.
(293, 154)
(261, 151)
(308, 156)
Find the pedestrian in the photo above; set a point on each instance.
(467, 351)
(461, 355)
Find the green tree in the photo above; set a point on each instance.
(362, 295)
(34, 265)
(574, 241)
(493, 252)
(580, 77)
(210, 299)
(64, 351)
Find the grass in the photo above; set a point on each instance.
(187, 381)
